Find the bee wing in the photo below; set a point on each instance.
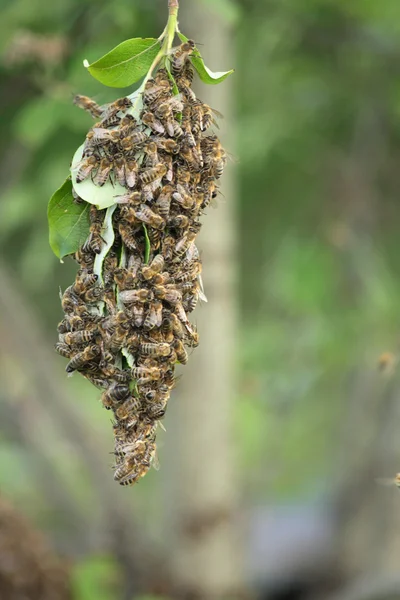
(202, 295)
(155, 463)
(387, 481)
(128, 296)
(122, 199)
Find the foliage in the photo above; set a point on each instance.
(68, 222)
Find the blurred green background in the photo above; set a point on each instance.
(313, 123)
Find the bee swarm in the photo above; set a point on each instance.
(169, 167)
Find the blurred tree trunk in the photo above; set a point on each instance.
(203, 487)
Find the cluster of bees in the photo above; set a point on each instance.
(169, 165)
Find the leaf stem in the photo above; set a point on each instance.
(167, 36)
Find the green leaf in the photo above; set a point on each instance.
(205, 74)
(147, 245)
(103, 196)
(126, 63)
(68, 222)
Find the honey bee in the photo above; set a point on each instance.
(179, 222)
(121, 104)
(168, 246)
(180, 56)
(99, 136)
(149, 119)
(103, 171)
(123, 278)
(187, 154)
(191, 273)
(134, 264)
(70, 300)
(170, 295)
(168, 145)
(81, 358)
(387, 363)
(131, 296)
(80, 337)
(127, 125)
(86, 166)
(145, 375)
(128, 235)
(63, 326)
(154, 316)
(129, 143)
(132, 405)
(109, 265)
(163, 201)
(114, 394)
(149, 175)
(95, 241)
(113, 321)
(85, 258)
(119, 169)
(164, 112)
(146, 215)
(83, 281)
(181, 352)
(156, 410)
(126, 470)
(184, 243)
(209, 191)
(155, 236)
(112, 372)
(138, 314)
(152, 349)
(131, 172)
(390, 481)
(169, 176)
(182, 197)
(156, 265)
(191, 302)
(89, 105)
(152, 154)
(63, 349)
(155, 89)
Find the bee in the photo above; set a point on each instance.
(152, 349)
(132, 405)
(123, 278)
(179, 222)
(109, 265)
(121, 104)
(119, 169)
(155, 88)
(125, 470)
(152, 154)
(80, 337)
(163, 201)
(134, 264)
(149, 175)
(129, 143)
(170, 379)
(115, 393)
(184, 243)
(146, 373)
(70, 300)
(172, 323)
(141, 295)
(181, 352)
(128, 235)
(85, 167)
(170, 295)
(191, 302)
(95, 241)
(156, 265)
(131, 172)
(183, 176)
(168, 145)
(85, 258)
(156, 410)
(197, 117)
(83, 281)
(63, 326)
(89, 105)
(113, 321)
(149, 119)
(154, 316)
(81, 358)
(190, 157)
(164, 112)
(99, 136)
(191, 273)
(167, 160)
(387, 363)
(155, 236)
(180, 56)
(182, 197)
(146, 215)
(168, 246)
(127, 125)
(119, 375)
(103, 171)
(138, 314)
(63, 349)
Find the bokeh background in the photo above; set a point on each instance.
(287, 417)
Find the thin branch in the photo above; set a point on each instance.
(173, 5)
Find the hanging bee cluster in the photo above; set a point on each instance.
(150, 278)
